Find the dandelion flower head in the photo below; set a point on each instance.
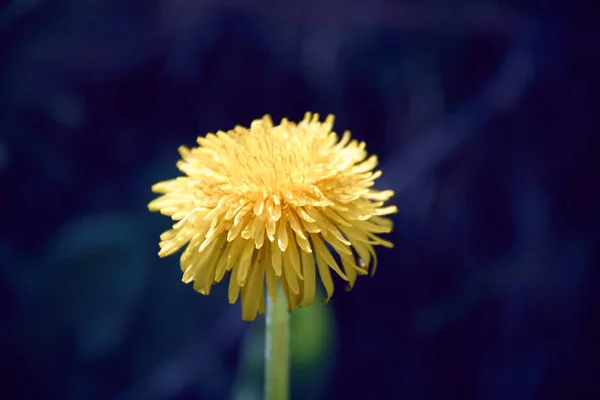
(274, 204)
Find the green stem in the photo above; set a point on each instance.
(277, 360)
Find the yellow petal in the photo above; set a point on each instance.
(234, 287)
(293, 258)
(271, 283)
(282, 238)
(252, 291)
(205, 272)
(222, 265)
(276, 258)
(290, 276)
(245, 262)
(322, 252)
(235, 249)
(325, 276)
(310, 284)
(350, 268)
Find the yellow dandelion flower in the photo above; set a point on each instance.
(264, 202)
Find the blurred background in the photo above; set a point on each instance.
(484, 115)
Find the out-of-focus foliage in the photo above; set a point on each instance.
(483, 113)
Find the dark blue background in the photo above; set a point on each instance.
(485, 119)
